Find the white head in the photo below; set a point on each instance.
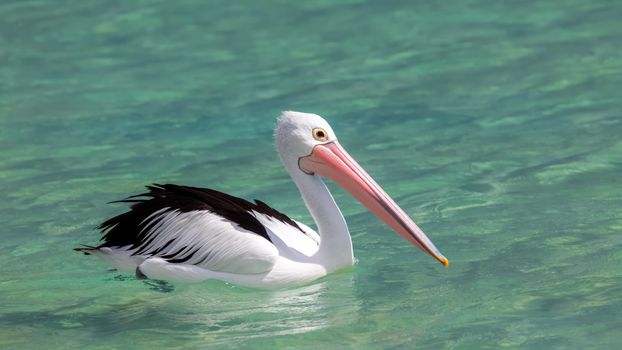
(297, 133)
(308, 146)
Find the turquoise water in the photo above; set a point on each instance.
(496, 125)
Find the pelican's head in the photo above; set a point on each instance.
(308, 147)
(297, 133)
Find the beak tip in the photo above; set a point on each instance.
(444, 261)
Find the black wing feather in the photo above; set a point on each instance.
(128, 229)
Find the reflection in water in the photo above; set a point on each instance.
(237, 315)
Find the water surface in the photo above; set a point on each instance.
(497, 125)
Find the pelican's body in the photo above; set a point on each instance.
(182, 233)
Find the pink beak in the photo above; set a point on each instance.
(332, 161)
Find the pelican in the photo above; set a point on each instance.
(182, 233)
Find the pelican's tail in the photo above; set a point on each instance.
(85, 249)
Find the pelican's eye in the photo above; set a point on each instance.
(320, 134)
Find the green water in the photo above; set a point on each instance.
(496, 125)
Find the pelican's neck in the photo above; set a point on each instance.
(335, 249)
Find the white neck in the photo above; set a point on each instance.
(335, 249)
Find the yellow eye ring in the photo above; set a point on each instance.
(320, 134)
